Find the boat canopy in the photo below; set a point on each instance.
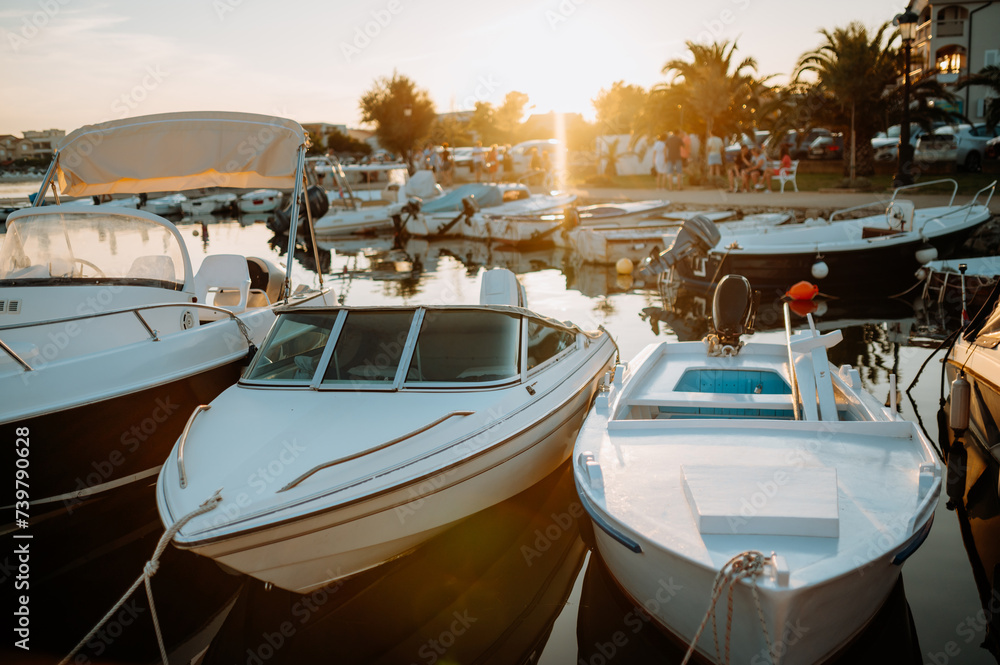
(485, 196)
(179, 151)
(385, 349)
(80, 245)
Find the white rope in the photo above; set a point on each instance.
(742, 566)
(147, 573)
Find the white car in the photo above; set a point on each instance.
(521, 153)
(886, 144)
(964, 144)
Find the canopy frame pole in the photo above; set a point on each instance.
(312, 232)
(294, 220)
(40, 197)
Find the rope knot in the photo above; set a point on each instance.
(151, 567)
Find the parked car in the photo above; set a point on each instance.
(966, 146)
(797, 141)
(521, 153)
(827, 147)
(993, 148)
(886, 144)
(759, 138)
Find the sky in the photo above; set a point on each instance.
(66, 63)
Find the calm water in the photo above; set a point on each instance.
(515, 583)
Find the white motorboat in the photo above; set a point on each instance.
(359, 433)
(206, 205)
(260, 200)
(165, 205)
(877, 254)
(351, 213)
(109, 335)
(470, 211)
(701, 456)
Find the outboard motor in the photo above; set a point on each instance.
(318, 205)
(410, 209)
(733, 309)
(698, 234)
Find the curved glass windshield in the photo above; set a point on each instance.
(293, 348)
(90, 248)
(369, 347)
(461, 346)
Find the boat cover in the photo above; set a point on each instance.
(485, 196)
(179, 151)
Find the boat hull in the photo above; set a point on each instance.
(874, 270)
(342, 541)
(111, 443)
(808, 624)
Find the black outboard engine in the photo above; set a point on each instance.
(318, 205)
(698, 234)
(733, 309)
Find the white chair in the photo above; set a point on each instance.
(787, 175)
(226, 276)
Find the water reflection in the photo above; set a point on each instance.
(486, 591)
(83, 559)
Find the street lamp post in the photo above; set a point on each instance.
(907, 23)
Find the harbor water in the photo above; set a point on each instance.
(518, 582)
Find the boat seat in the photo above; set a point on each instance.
(225, 276)
(152, 266)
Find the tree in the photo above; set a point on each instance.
(620, 107)
(712, 89)
(451, 131)
(507, 118)
(402, 113)
(337, 141)
(989, 77)
(483, 122)
(858, 88)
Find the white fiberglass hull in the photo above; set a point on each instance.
(308, 549)
(339, 221)
(691, 460)
(260, 201)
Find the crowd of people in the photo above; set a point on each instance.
(748, 171)
(492, 164)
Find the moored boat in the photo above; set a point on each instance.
(877, 254)
(110, 335)
(759, 468)
(206, 205)
(261, 200)
(359, 433)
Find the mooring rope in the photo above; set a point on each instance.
(147, 573)
(744, 565)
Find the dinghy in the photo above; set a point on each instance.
(753, 477)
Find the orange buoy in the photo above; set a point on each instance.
(802, 291)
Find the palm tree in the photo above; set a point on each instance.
(853, 69)
(860, 90)
(714, 87)
(989, 77)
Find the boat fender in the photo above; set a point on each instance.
(819, 270)
(958, 417)
(624, 266)
(926, 253)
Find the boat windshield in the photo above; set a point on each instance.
(90, 248)
(452, 347)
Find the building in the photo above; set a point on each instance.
(35, 145)
(956, 39)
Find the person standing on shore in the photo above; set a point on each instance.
(714, 147)
(478, 160)
(675, 165)
(660, 161)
